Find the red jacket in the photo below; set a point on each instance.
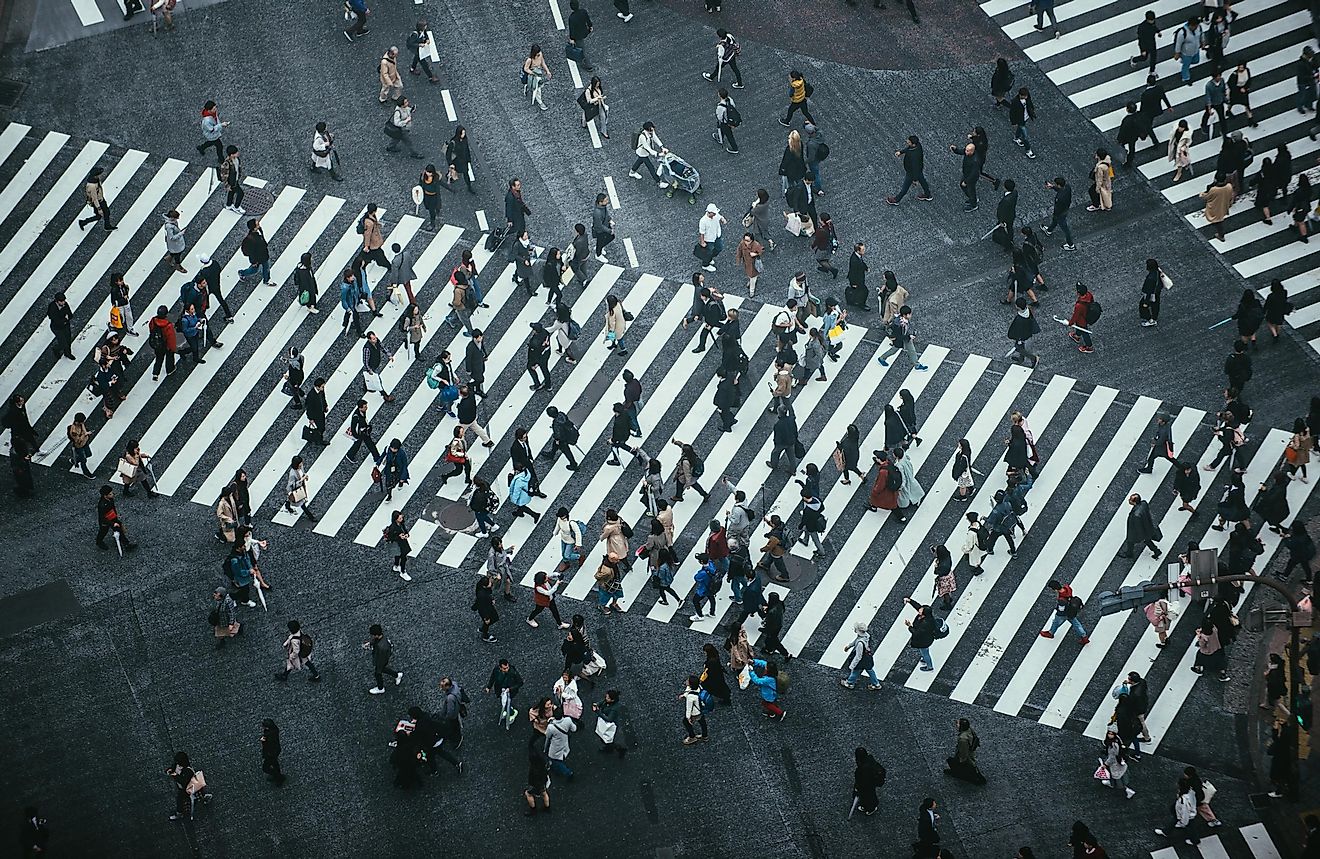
(1078, 317)
(166, 328)
(717, 546)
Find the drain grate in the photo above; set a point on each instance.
(10, 92)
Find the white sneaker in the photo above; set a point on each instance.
(312, 310)
(398, 678)
(376, 690)
(661, 184)
(533, 623)
(708, 267)
(627, 18)
(601, 258)
(633, 174)
(404, 576)
(696, 617)
(1130, 792)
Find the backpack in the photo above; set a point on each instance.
(636, 140)
(361, 224)
(626, 530)
(895, 330)
(570, 432)
(156, 338)
(304, 645)
(943, 631)
(1019, 505)
(732, 116)
(822, 151)
(470, 298)
(698, 468)
(1093, 311)
(781, 682)
(415, 39)
(574, 330)
(983, 538)
(894, 481)
(808, 89)
(604, 574)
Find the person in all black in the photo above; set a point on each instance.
(523, 458)
(270, 751)
(474, 361)
(538, 356)
(971, 175)
(914, 171)
(579, 27)
(360, 429)
(1147, 32)
(316, 413)
(1154, 101)
(35, 834)
(107, 520)
(563, 435)
(1006, 216)
(182, 774)
(254, 247)
(60, 315)
(458, 154)
(856, 295)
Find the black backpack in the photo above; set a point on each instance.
(1093, 311)
(626, 530)
(808, 89)
(822, 151)
(731, 116)
(469, 298)
(983, 539)
(304, 645)
(1019, 505)
(156, 338)
(895, 480)
(570, 432)
(895, 331)
(1075, 605)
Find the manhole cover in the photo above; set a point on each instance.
(10, 92)
(453, 516)
(257, 202)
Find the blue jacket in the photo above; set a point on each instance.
(752, 595)
(240, 569)
(347, 295)
(520, 493)
(707, 580)
(188, 324)
(396, 462)
(358, 6)
(1002, 519)
(768, 686)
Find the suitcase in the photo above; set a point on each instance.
(495, 238)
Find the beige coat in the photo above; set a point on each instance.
(666, 518)
(615, 322)
(95, 196)
(389, 73)
(782, 383)
(1217, 200)
(1104, 183)
(612, 537)
(971, 547)
(460, 294)
(896, 300)
(228, 517)
(372, 237)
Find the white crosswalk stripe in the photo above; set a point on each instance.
(204, 423)
(1090, 63)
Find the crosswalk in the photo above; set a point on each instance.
(1246, 842)
(1089, 62)
(205, 422)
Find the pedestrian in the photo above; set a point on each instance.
(536, 74)
(602, 227)
(223, 618)
(928, 833)
(609, 727)
(399, 127)
(483, 603)
(693, 715)
(726, 54)
(538, 356)
(108, 522)
(1218, 197)
(1023, 327)
(270, 751)
(962, 763)
(483, 502)
(60, 315)
(799, 92)
(1043, 8)
(860, 661)
(1187, 44)
(458, 157)
(564, 435)
(381, 651)
(1277, 306)
(391, 82)
(356, 13)
(94, 193)
(901, 339)
(649, 148)
(1187, 483)
(254, 247)
(765, 676)
(1305, 67)
(508, 681)
(1066, 608)
(914, 161)
(1152, 289)
(360, 430)
(1184, 813)
(1022, 110)
(324, 155)
(1114, 765)
(419, 41)
(1085, 313)
(545, 587)
(710, 240)
(212, 129)
(174, 241)
(592, 102)
(579, 27)
(748, 255)
(231, 176)
(1059, 219)
(1147, 32)
(1141, 528)
(922, 632)
(1102, 183)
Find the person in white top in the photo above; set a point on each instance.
(323, 155)
(649, 147)
(710, 236)
(399, 128)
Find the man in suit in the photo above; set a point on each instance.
(1133, 128)
(474, 361)
(856, 294)
(524, 459)
(579, 27)
(316, 412)
(61, 325)
(1154, 101)
(1006, 215)
(928, 833)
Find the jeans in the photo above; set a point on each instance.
(263, 267)
(908, 181)
(643, 161)
(907, 348)
(817, 187)
(1305, 96)
(632, 419)
(567, 554)
(561, 768)
(1060, 222)
(736, 586)
(1189, 60)
(856, 674)
(1060, 619)
(1020, 133)
(924, 653)
(484, 520)
(796, 106)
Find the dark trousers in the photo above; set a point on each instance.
(380, 675)
(425, 63)
(271, 766)
(357, 323)
(552, 608)
(1127, 548)
(234, 196)
(1156, 453)
(733, 67)
(726, 419)
(969, 191)
(602, 241)
(770, 643)
(217, 144)
(63, 339)
(691, 732)
(994, 538)
(908, 181)
(370, 443)
(567, 450)
(167, 358)
(101, 213)
(224, 305)
(358, 26)
(726, 136)
(377, 256)
(544, 365)
(794, 107)
(643, 161)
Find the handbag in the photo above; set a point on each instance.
(606, 730)
(747, 219)
(298, 495)
(758, 265)
(793, 224)
(565, 276)
(1101, 772)
(127, 470)
(839, 462)
(372, 381)
(1165, 281)
(393, 131)
(836, 331)
(196, 784)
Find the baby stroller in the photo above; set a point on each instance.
(679, 174)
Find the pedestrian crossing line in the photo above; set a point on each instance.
(90, 337)
(577, 76)
(426, 457)
(1273, 259)
(1106, 629)
(31, 171)
(597, 425)
(185, 397)
(1164, 853)
(339, 380)
(1212, 848)
(14, 134)
(632, 252)
(342, 381)
(1259, 841)
(613, 193)
(1187, 189)
(449, 105)
(1064, 12)
(756, 472)
(1050, 557)
(71, 182)
(236, 393)
(910, 540)
(1131, 83)
(789, 498)
(595, 135)
(1121, 22)
(680, 375)
(1171, 698)
(110, 433)
(842, 566)
(30, 293)
(347, 499)
(89, 278)
(1086, 578)
(973, 594)
(266, 352)
(556, 14)
(499, 360)
(895, 641)
(1191, 99)
(88, 12)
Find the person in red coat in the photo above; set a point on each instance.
(1081, 329)
(882, 497)
(162, 339)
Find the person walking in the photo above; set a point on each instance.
(914, 172)
(270, 751)
(1152, 289)
(174, 241)
(391, 83)
(602, 227)
(419, 41)
(94, 193)
(1059, 217)
(1141, 528)
(693, 715)
(399, 127)
(231, 176)
(381, 651)
(60, 315)
(1066, 608)
(1021, 110)
(1021, 329)
(962, 763)
(799, 92)
(579, 27)
(748, 254)
(1102, 183)
(971, 176)
(324, 155)
(922, 632)
(592, 102)
(927, 845)
(257, 251)
(901, 339)
(543, 598)
(1218, 198)
(726, 55)
(538, 357)
(710, 240)
(860, 660)
(1161, 445)
(356, 12)
(458, 156)
(212, 130)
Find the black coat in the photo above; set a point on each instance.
(1140, 526)
(475, 361)
(857, 269)
(1006, 209)
(620, 429)
(1023, 327)
(1019, 110)
(316, 406)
